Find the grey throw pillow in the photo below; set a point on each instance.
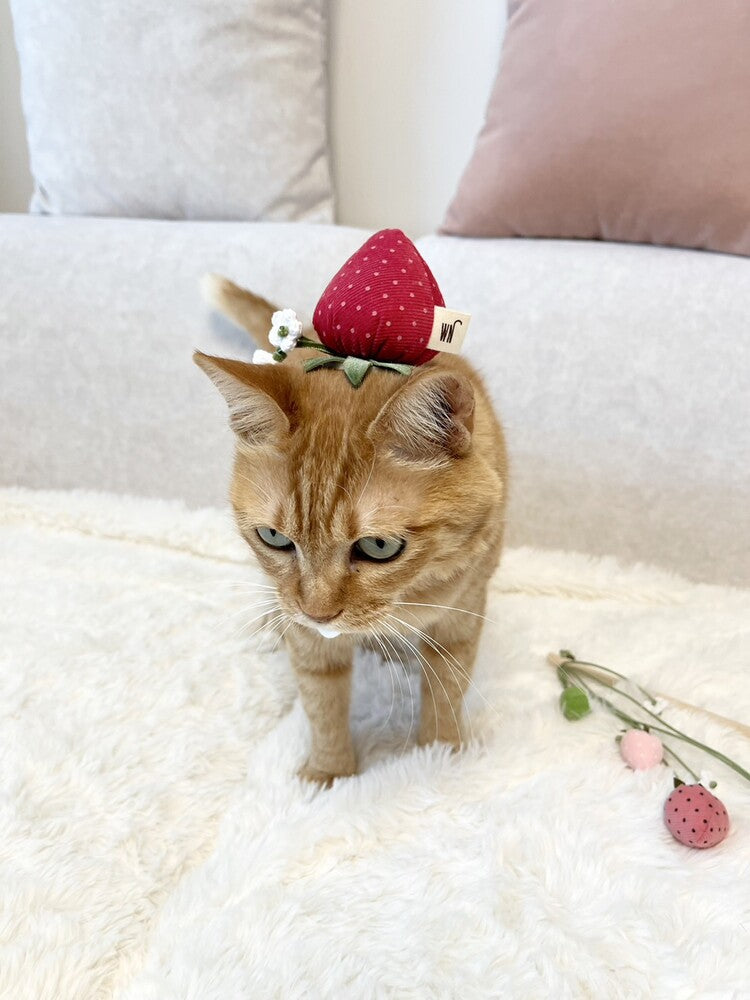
(183, 109)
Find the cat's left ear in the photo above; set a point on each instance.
(430, 419)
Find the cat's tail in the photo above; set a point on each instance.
(251, 312)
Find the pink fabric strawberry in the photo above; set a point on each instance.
(380, 305)
(641, 750)
(695, 817)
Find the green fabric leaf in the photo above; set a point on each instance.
(574, 703)
(395, 366)
(355, 370)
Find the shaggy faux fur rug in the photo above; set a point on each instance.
(155, 843)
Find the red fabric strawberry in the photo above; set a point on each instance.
(695, 817)
(380, 305)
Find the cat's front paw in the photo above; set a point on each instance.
(430, 733)
(325, 772)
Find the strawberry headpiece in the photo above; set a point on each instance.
(378, 309)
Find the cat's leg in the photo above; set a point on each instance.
(447, 672)
(324, 673)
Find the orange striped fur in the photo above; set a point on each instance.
(419, 458)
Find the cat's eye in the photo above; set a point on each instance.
(274, 538)
(379, 549)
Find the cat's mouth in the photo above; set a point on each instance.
(330, 628)
(328, 631)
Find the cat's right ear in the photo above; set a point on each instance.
(258, 397)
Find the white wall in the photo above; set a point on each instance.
(409, 83)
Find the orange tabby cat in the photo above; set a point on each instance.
(376, 510)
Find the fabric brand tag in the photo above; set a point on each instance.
(448, 330)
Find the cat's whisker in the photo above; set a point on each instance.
(261, 595)
(400, 689)
(262, 493)
(233, 593)
(283, 633)
(425, 638)
(270, 609)
(244, 610)
(391, 668)
(411, 719)
(265, 624)
(446, 607)
(458, 666)
(434, 642)
(417, 652)
(253, 483)
(367, 481)
(384, 624)
(438, 647)
(272, 624)
(238, 629)
(340, 486)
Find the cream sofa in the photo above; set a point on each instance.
(622, 372)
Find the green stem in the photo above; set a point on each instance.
(614, 673)
(710, 750)
(624, 694)
(638, 724)
(681, 762)
(314, 345)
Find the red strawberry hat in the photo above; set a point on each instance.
(381, 304)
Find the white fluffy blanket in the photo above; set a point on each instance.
(155, 843)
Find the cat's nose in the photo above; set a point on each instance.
(321, 619)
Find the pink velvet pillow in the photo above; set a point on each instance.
(616, 119)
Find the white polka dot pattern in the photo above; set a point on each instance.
(381, 317)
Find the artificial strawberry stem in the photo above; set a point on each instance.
(566, 665)
(567, 655)
(682, 763)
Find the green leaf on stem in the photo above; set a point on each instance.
(355, 370)
(574, 703)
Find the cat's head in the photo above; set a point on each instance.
(354, 500)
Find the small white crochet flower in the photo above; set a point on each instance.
(707, 780)
(656, 706)
(263, 358)
(286, 330)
